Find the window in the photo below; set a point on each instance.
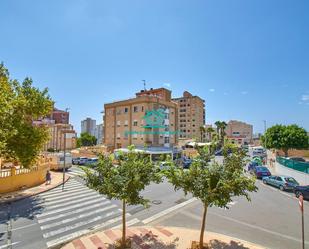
(118, 135)
(166, 140)
(118, 123)
(142, 108)
(135, 109)
(126, 110)
(126, 123)
(135, 123)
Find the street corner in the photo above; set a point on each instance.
(158, 237)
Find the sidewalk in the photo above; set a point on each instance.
(57, 179)
(158, 238)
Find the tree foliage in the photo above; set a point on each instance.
(284, 137)
(20, 105)
(124, 181)
(86, 139)
(213, 183)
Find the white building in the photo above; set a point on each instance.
(98, 133)
(88, 125)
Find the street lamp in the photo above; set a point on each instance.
(65, 132)
(265, 138)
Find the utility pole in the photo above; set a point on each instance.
(64, 149)
(265, 127)
(144, 84)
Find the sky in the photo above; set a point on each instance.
(249, 60)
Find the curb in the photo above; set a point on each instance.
(30, 195)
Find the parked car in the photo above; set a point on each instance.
(75, 160)
(186, 162)
(92, 162)
(260, 172)
(281, 182)
(82, 160)
(297, 159)
(302, 190)
(251, 166)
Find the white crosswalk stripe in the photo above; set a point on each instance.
(67, 214)
(75, 171)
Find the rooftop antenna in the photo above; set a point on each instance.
(144, 84)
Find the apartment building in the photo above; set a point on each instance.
(88, 125)
(60, 116)
(57, 133)
(150, 118)
(239, 132)
(191, 115)
(99, 133)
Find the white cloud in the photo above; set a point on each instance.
(305, 97)
(212, 90)
(244, 92)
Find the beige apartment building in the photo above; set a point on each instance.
(150, 118)
(56, 135)
(191, 115)
(239, 132)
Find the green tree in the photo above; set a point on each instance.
(124, 181)
(212, 183)
(86, 139)
(221, 126)
(20, 105)
(282, 137)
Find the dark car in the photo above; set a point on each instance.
(298, 159)
(252, 165)
(260, 172)
(302, 190)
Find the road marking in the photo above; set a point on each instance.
(129, 223)
(59, 191)
(72, 207)
(79, 224)
(77, 217)
(48, 206)
(257, 227)
(72, 236)
(76, 211)
(9, 245)
(65, 193)
(167, 211)
(65, 197)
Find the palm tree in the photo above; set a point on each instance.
(221, 126)
(210, 131)
(202, 131)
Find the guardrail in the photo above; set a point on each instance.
(299, 166)
(13, 171)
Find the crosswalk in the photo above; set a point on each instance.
(75, 171)
(65, 215)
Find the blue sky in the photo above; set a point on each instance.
(248, 59)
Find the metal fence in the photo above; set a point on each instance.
(299, 166)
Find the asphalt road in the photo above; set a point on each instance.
(54, 217)
(272, 219)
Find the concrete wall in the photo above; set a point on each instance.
(15, 181)
(302, 178)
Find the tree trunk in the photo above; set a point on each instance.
(123, 240)
(203, 226)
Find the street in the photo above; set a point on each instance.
(52, 218)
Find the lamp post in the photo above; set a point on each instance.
(265, 127)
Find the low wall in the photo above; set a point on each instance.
(18, 179)
(302, 178)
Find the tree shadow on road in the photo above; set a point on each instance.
(217, 244)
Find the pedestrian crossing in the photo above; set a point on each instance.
(75, 171)
(77, 210)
